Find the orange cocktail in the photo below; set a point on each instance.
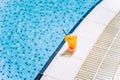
(72, 41)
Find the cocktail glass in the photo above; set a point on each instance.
(71, 41)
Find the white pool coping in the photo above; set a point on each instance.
(89, 30)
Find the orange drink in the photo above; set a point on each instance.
(72, 41)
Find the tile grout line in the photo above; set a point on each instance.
(106, 54)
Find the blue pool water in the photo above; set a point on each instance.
(31, 31)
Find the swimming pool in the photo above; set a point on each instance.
(31, 33)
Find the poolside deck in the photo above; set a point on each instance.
(88, 32)
(104, 58)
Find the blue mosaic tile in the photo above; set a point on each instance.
(31, 30)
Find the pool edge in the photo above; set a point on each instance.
(40, 74)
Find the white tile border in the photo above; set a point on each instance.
(111, 5)
(64, 68)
